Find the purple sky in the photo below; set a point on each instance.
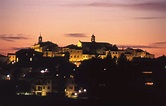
(129, 23)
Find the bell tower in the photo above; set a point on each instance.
(40, 39)
(93, 38)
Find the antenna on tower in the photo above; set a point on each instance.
(40, 33)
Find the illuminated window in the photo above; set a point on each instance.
(30, 59)
(71, 76)
(17, 59)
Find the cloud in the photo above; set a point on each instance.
(149, 18)
(12, 37)
(135, 46)
(155, 6)
(15, 48)
(95, 4)
(18, 48)
(161, 45)
(75, 35)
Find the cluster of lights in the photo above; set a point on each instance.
(44, 71)
(82, 91)
(24, 93)
(71, 76)
(149, 83)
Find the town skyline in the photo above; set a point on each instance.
(135, 24)
(120, 47)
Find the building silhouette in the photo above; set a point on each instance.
(83, 51)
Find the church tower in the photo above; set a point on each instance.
(40, 39)
(93, 38)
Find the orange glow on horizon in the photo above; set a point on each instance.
(110, 22)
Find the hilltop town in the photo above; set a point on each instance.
(76, 53)
(85, 70)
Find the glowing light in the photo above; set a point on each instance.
(149, 83)
(147, 72)
(17, 59)
(71, 76)
(79, 91)
(8, 76)
(30, 59)
(57, 75)
(75, 94)
(42, 71)
(26, 93)
(46, 70)
(79, 44)
(84, 90)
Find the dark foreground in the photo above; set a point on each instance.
(55, 101)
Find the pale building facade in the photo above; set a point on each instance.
(11, 58)
(48, 48)
(42, 87)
